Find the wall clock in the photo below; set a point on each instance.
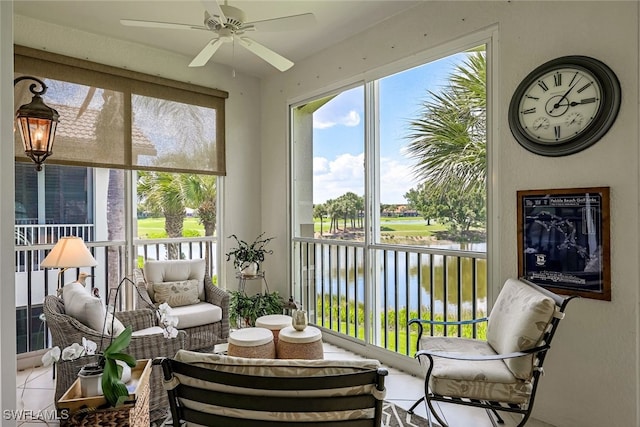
(564, 106)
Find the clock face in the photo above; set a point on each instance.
(564, 106)
(559, 105)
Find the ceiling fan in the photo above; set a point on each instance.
(229, 24)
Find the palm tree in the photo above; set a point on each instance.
(110, 121)
(201, 192)
(448, 140)
(320, 211)
(164, 192)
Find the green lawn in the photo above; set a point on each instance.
(396, 226)
(153, 228)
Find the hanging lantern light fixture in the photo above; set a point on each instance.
(37, 122)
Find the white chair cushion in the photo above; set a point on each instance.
(176, 294)
(147, 331)
(89, 310)
(484, 380)
(517, 322)
(199, 314)
(173, 271)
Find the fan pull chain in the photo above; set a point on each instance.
(233, 58)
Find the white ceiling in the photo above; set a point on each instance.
(335, 21)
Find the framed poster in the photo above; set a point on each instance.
(563, 240)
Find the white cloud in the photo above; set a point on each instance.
(331, 179)
(334, 178)
(324, 121)
(396, 179)
(320, 165)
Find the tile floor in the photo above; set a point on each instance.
(35, 393)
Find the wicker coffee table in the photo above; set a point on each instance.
(254, 343)
(274, 322)
(305, 344)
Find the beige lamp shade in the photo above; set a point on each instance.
(69, 252)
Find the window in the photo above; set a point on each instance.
(389, 199)
(125, 141)
(329, 133)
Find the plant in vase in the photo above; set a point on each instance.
(249, 256)
(113, 373)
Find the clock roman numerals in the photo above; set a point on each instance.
(583, 88)
(557, 79)
(529, 110)
(556, 132)
(543, 85)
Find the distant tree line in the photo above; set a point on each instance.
(348, 208)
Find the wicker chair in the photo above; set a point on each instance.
(201, 336)
(66, 330)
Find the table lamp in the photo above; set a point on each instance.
(69, 252)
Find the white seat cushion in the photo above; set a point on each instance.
(517, 322)
(89, 310)
(147, 331)
(199, 314)
(484, 380)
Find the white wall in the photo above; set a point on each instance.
(7, 218)
(592, 372)
(242, 183)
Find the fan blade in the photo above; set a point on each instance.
(214, 9)
(167, 25)
(278, 61)
(285, 23)
(206, 53)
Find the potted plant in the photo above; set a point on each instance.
(244, 309)
(247, 257)
(107, 368)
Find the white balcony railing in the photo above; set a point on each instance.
(33, 282)
(370, 293)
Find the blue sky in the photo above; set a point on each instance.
(338, 135)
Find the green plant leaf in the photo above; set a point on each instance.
(119, 343)
(126, 358)
(113, 389)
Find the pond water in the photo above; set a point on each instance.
(404, 278)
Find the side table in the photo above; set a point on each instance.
(83, 411)
(274, 322)
(252, 342)
(305, 344)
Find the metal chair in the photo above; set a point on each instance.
(501, 373)
(226, 391)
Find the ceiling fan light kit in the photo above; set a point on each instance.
(229, 24)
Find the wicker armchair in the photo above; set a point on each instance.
(66, 330)
(201, 336)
